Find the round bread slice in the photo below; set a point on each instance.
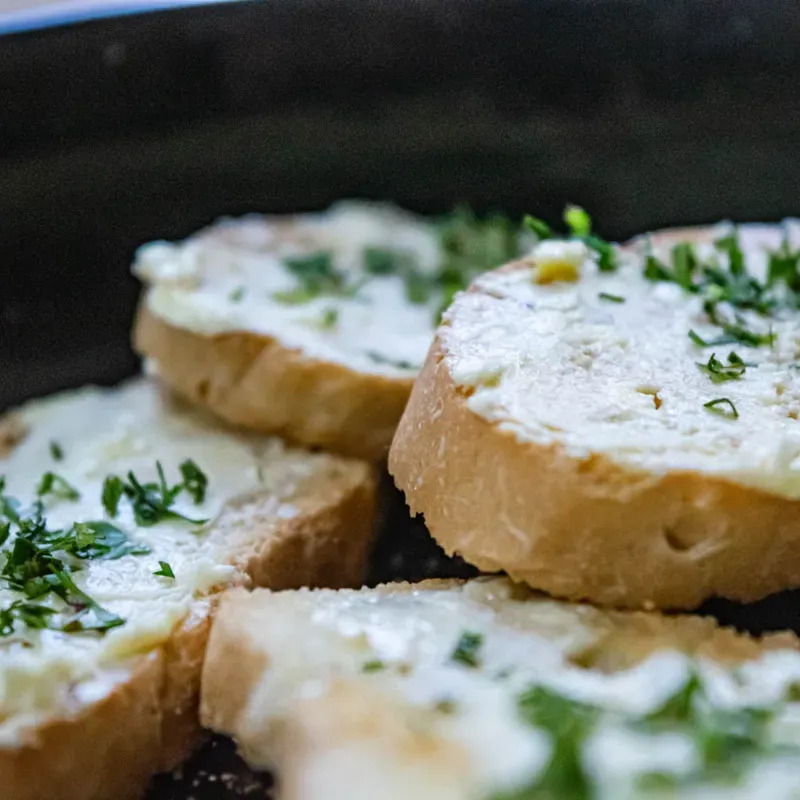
(614, 435)
(122, 514)
(483, 690)
(311, 326)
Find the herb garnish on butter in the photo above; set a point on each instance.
(467, 649)
(719, 372)
(152, 502)
(723, 406)
(580, 228)
(38, 562)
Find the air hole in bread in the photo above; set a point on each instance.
(653, 392)
(202, 390)
(674, 542)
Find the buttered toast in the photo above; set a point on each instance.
(122, 514)
(483, 690)
(309, 326)
(625, 432)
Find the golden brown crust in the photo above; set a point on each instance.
(585, 529)
(148, 723)
(255, 382)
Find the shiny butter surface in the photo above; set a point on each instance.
(224, 279)
(428, 727)
(104, 432)
(557, 364)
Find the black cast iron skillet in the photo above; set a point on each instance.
(122, 129)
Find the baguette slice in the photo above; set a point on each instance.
(483, 690)
(323, 351)
(574, 435)
(88, 716)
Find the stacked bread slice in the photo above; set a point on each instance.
(314, 326)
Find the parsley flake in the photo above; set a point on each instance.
(55, 485)
(467, 649)
(164, 570)
(719, 372)
(152, 502)
(56, 451)
(611, 298)
(716, 407)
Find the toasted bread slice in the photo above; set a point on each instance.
(617, 438)
(481, 690)
(310, 326)
(100, 646)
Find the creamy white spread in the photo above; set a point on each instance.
(605, 365)
(105, 432)
(226, 278)
(368, 678)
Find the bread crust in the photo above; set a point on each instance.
(256, 382)
(110, 749)
(585, 529)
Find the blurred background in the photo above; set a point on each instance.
(117, 129)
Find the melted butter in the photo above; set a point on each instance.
(377, 330)
(569, 368)
(316, 693)
(112, 432)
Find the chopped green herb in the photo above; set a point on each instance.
(730, 246)
(295, 297)
(783, 267)
(39, 561)
(330, 316)
(378, 358)
(611, 298)
(32, 615)
(378, 261)
(113, 489)
(194, 480)
(677, 708)
(537, 226)
(152, 502)
(55, 485)
(9, 506)
(92, 540)
(657, 781)
(569, 724)
(578, 221)
(373, 666)
(715, 406)
(468, 649)
(56, 451)
(580, 226)
(237, 294)
(164, 570)
(418, 286)
(446, 706)
(719, 372)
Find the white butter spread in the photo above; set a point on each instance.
(561, 364)
(225, 279)
(103, 432)
(367, 678)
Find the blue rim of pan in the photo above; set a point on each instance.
(62, 13)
